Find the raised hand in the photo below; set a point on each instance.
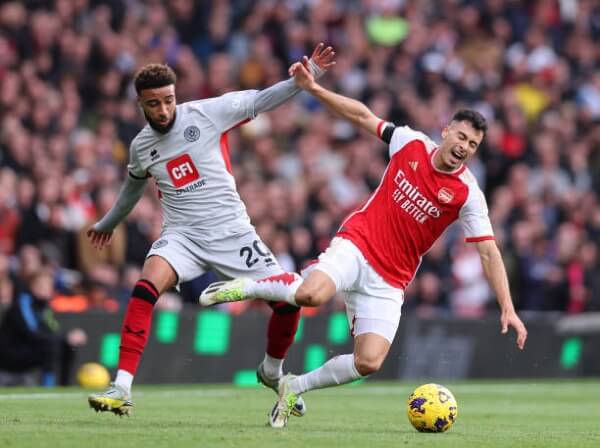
(321, 56)
(99, 239)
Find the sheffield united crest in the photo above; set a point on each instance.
(191, 133)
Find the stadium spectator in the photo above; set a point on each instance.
(30, 337)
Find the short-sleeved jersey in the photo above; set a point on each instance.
(412, 206)
(190, 165)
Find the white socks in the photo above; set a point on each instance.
(336, 371)
(273, 367)
(277, 288)
(124, 380)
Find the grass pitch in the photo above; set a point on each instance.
(563, 413)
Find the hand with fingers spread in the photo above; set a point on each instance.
(321, 56)
(99, 239)
(511, 319)
(321, 59)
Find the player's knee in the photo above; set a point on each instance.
(308, 295)
(366, 364)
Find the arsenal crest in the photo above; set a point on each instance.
(445, 195)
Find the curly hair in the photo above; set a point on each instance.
(152, 76)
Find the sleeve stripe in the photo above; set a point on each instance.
(477, 239)
(379, 126)
(224, 144)
(138, 177)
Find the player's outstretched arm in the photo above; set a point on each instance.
(494, 270)
(350, 109)
(101, 233)
(321, 59)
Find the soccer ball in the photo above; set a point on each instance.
(432, 408)
(93, 376)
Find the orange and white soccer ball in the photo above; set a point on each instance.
(432, 408)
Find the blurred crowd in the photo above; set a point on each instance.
(68, 114)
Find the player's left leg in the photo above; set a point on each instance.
(373, 309)
(370, 350)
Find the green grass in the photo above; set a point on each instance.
(563, 413)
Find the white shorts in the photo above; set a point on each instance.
(372, 304)
(242, 255)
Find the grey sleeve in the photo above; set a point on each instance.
(135, 168)
(231, 109)
(226, 111)
(273, 96)
(130, 194)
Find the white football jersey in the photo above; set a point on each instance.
(190, 165)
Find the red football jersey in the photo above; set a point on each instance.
(413, 204)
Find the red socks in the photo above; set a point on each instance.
(138, 318)
(136, 325)
(282, 328)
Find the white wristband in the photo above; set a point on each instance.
(315, 70)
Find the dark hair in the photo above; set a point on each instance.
(152, 76)
(473, 117)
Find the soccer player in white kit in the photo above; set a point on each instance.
(378, 248)
(184, 149)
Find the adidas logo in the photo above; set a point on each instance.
(413, 165)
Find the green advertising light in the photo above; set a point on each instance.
(338, 331)
(314, 357)
(212, 333)
(570, 353)
(166, 327)
(109, 349)
(245, 378)
(300, 330)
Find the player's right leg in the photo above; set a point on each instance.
(336, 270)
(157, 276)
(316, 289)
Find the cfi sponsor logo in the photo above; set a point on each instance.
(182, 171)
(445, 195)
(191, 133)
(160, 243)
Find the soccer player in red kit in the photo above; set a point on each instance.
(378, 248)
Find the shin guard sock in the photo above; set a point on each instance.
(277, 288)
(282, 329)
(136, 325)
(336, 371)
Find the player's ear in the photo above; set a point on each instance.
(445, 132)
